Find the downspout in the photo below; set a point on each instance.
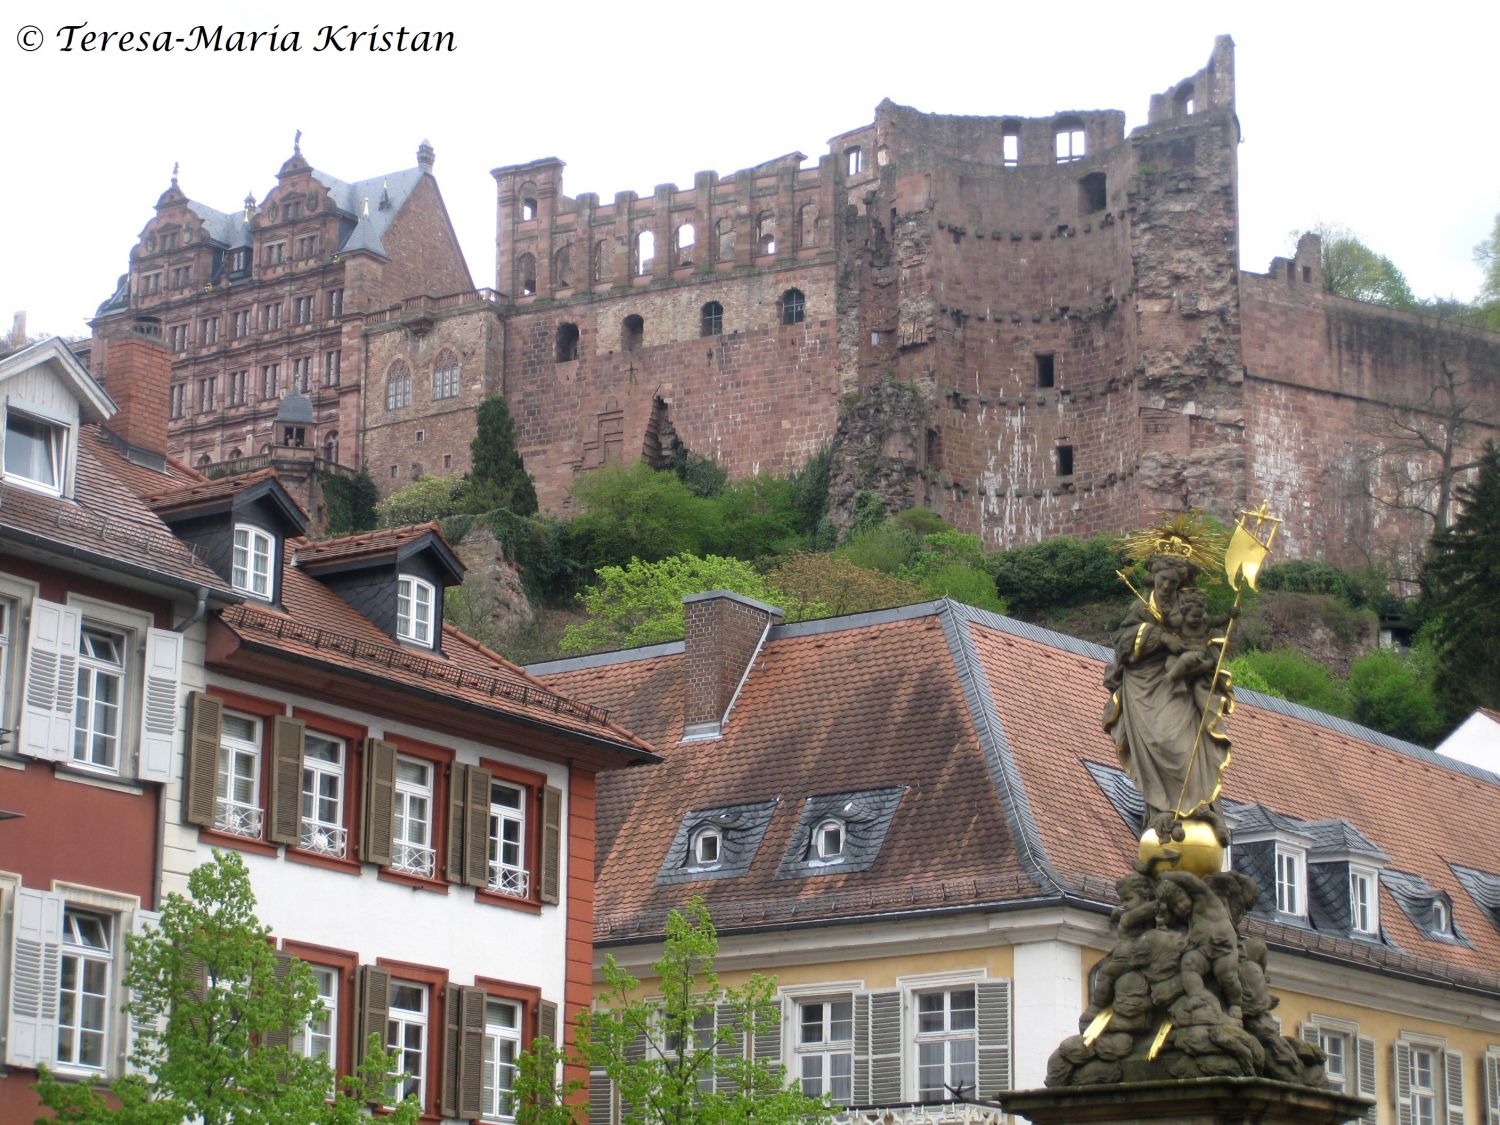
(197, 615)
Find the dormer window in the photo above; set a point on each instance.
(1364, 917)
(1442, 918)
(828, 840)
(414, 602)
(253, 552)
(34, 451)
(706, 847)
(1291, 880)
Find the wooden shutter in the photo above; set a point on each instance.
(471, 1053)
(546, 1022)
(1402, 1076)
(143, 1031)
(1364, 1075)
(458, 792)
(205, 714)
(452, 1020)
(51, 682)
(1453, 1086)
(601, 1097)
(35, 975)
(379, 802)
(374, 1006)
(159, 705)
(877, 1048)
(993, 1000)
(476, 867)
(1309, 1033)
(765, 1042)
(281, 1037)
(287, 739)
(1491, 1089)
(551, 867)
(729, 1049)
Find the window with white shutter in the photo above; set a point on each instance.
(51, 681)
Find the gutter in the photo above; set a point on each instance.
(197, 615)
(135, 570)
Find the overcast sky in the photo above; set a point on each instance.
(1376, 118)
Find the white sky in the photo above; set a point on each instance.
(1378, 118)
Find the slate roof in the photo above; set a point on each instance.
(317, 553)
(995, 726)
(395, 187)
(205, 492)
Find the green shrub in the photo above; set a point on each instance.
(349, 503)
(756, 518)
(920, 522)
(884, 547)
(1393, 693)
(965, 584)
(426, 498)
(1059, 572)
(634, 512)
(1289, 675)
(1303, 576)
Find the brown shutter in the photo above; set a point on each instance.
(374, 1006)
(471, 1055)
(206, 714)
(546, 1022)
(551, 872)
(458, 792)
(477, 829)
(452, 1047)
(281, 1037)
(286, 779)
(379, 801)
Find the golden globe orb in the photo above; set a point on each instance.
(1198, 852)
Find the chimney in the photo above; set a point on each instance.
(136, 370)
(18, 330)
(724, 632)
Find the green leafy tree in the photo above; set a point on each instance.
(1461, 596)
(350, 503)
(1487, 257)
(641, 603)
(886, 547)
(680, 1060)
(215, 1013)
(1352, 269)
(1058, 573)
(426, 498)
(1288, 674)
(833, 582)
(950, 564)
(637, 512)
(1393, 693)
(498, 478)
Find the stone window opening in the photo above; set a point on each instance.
(526, 274)
(528, 203)
(765, 232)
(1184, 100)
(398, 386)
(1092, 193)
(445, 376)
(711, 319)
(1064, 460)
(807, 225)
(1046, 371)
(1069, 141)
(331, 447)
(725, 232)
(854, 158)
(1010, 144)
(562, 268)
(686, 238)
(1307, 274)
(597, 260)
(632, 333)
(567, 342)
(645, 252)
(882, 156)
(793, 307)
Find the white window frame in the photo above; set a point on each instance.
(1426, 1096)
(412, 596)
(400, 1022)
(318, 1038)
(1364, 901)
(92, 672)
(411, 826)
(827, 1050)
(254, 561)
(323, 784)
(239, 759)
(57, 454)
(699, 847)
(9, 609)
(1291, 880)
(499, 1065)
(1442, 917)
(508, 873)
(81, 955)
(821, 851)
(949, 1036)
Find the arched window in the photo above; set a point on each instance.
(725, 232)
(765, 233)
(445, 375)
(235, 454)
(711, 319)
(331, 447)
(526, 274)
(686, 238)
(567, 342)
(599, 261)
(793, 307)
(807, 225)
(204, 459)
(398, 386)
(706, 849)
(645, 252)
(828, 840)
(1010, 143)
(1068, 137)
(632, 332)
(527, 204)
(562, 268)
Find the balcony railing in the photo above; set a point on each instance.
(413, 859)
(922, 1113)
(325, 839)
(237, 819)
(513, 881)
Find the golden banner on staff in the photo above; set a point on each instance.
(1247, 551)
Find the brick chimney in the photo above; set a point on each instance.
(724, 632)
(136, 370)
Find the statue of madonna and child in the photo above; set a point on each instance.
(1183, 994)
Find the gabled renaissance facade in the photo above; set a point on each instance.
(912, 819)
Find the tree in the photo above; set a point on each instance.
(1288, 674)
(1461, 595)
(426, 498)
(214, 1011)
(1393, 693)
(350, 503)
(682, 1060)
(1352, 269)
(498, 478)
(638, 512)
(641, 603)
(1487, 256)
(835, 583)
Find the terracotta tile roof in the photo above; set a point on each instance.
(206, 491)
(369, 543)
(105, 519)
